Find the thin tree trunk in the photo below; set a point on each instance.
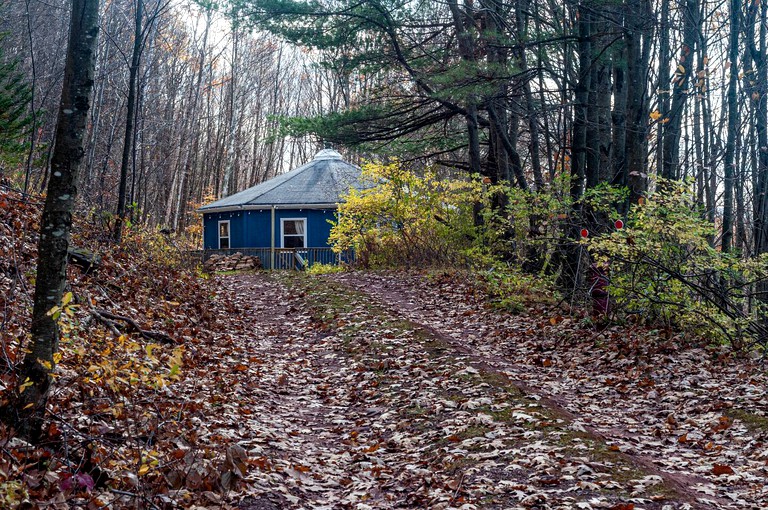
(708, 151)
(760, 112)
(581, 107)
(592, 155)
(32, 104)
(540, 59)
(742, 243)
(523, 8)
(95, 125)
(603, 107)
(672, 130)
(466, 51)
(697, 131)
(497, 58)
(27, 412)
(733, 126)
(663, 84)
(636, 178)
(232, 131)
(619, 120)
(129, 122)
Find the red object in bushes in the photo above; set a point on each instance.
(598, 289)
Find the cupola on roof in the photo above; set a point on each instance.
(322, 181)
(327, 154)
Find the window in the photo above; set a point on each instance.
(294, 233)
(224, 235)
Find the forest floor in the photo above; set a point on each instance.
(366, 390)
(360, 390)
(407, 390)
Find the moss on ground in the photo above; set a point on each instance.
(330, 303)
(753, 421)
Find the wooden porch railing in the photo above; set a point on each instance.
(287, 258)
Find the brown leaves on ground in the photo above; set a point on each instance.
(697, 414)
(365, 390)
(114, 417)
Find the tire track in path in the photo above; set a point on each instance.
(648, 424)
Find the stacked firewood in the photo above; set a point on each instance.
(235, 262)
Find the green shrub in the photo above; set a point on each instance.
(663, 267)
(510, 289)
(406, 219)
(317, 269)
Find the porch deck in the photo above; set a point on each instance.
(287, 258)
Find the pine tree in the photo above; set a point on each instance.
(15, 118)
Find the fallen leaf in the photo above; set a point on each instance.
(722, 469)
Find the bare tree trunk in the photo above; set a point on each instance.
(533, 124)
(638, 14)
(232, 132)
(466, 50)
(95, 124)
(540, 58)
(602, 86)
(708, 151)
(619, 120)
(198, 90)
(663, 83)
(570, 273)
(599, 124)
(733, 126)
(497, 57)
(32, 106)
(129, 120)
(671, 141)
(26, 413)
(760, 111)
(697, 131)
(742, 155)
(581, 108)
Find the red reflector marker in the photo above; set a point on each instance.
(619, 224)
(584, 233)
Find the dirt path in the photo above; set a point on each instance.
(682, 413)
(368, 391)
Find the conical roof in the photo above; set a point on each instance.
(322, 181)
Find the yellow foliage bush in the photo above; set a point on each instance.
(410, 219)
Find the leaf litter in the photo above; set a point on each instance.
(366, 390)
(350, 404)
(694, 415)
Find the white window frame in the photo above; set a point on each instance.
(227, 237)
(282, 230)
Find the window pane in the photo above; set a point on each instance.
(224, 229)
(293, 241)
(224, 243)
(289, 227)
